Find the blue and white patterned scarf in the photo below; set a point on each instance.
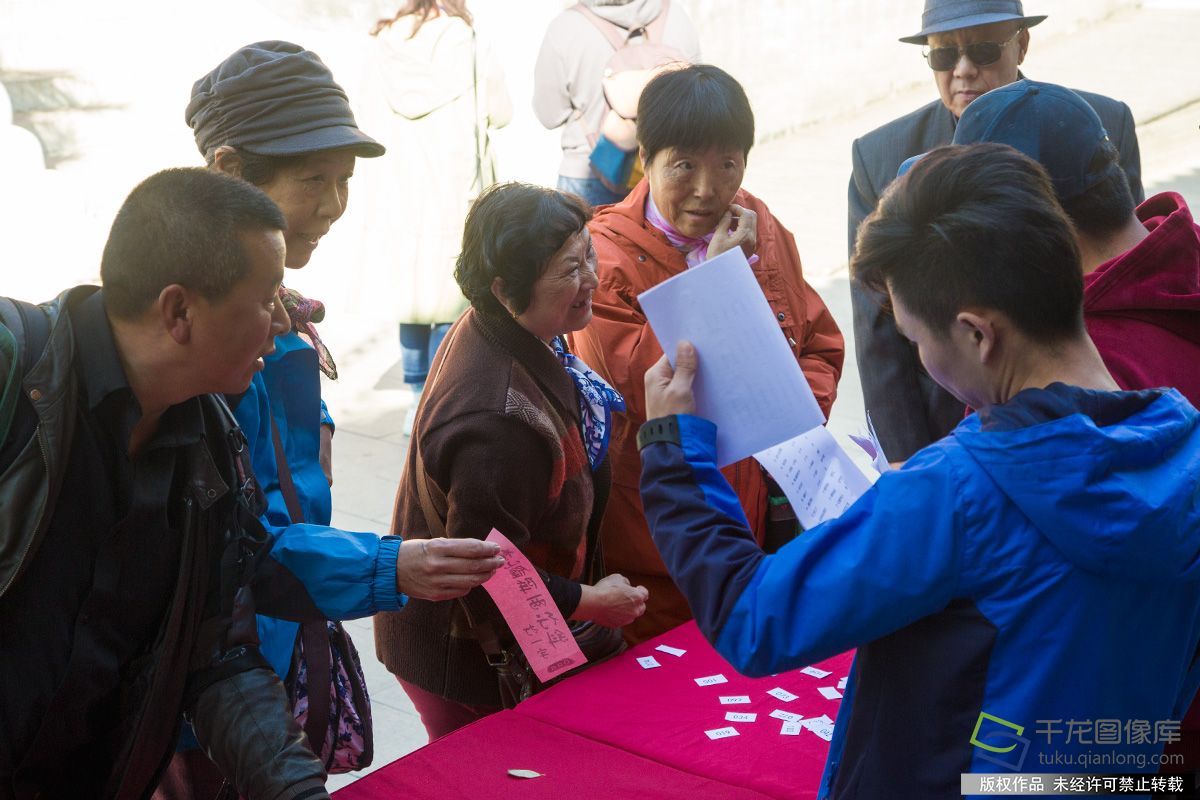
(597, 401)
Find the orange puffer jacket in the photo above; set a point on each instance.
(619, 344)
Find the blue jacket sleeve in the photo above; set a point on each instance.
(347, 574)
(326, 417)
(890, 560)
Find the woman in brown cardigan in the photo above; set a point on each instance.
(512, 433)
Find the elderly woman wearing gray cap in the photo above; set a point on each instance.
(273, 115)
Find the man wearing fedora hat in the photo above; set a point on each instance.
(972, 46)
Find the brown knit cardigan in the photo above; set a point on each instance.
(498, 431)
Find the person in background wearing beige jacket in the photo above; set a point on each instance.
(435, 91)
(569, 70)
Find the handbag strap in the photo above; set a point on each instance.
(287, 487)
(313, 635)
(315, 638)
(432, 510)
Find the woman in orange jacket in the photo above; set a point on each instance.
(695, 129)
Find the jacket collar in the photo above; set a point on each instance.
(627, 220)
(100, 367)
(532, 353)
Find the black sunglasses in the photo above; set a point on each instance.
(943, 59)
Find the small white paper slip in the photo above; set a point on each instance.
(790, 728)
(671, 651)
(721, 733)
(711, 680)
(741, 716)
(782, 694)
(816, 673)
(786, 716)
(821, 727)
(842, 683)
(648, 662)
(524, 773)
(821, 720)
(734, 699)
(829, 693)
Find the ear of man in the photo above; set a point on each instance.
(980, 331)
(173, 309)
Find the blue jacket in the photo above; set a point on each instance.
(1038, 565)
(349, 575)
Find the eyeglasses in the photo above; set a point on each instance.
(943, 59)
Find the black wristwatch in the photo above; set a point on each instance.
(661, 429)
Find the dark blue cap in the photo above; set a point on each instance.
(1049, 123)
(951, 15)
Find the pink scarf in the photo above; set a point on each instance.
(694, 248)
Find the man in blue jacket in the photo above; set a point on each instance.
(1024, 593)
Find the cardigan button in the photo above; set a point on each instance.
(781, 316)
(642, 257)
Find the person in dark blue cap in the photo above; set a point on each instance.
(1141, 282)
(972, 46)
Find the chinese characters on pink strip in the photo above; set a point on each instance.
(535, 621)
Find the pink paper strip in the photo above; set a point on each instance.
(523, 599)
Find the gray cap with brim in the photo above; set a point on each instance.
(941, 16)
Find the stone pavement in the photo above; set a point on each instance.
(1144, 56)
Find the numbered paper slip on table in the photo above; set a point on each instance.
(618, 730)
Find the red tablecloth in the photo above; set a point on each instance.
(617, 728)
(662, 714)
(473, 763)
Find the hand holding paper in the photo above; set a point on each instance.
(442, 569)
(669, 391)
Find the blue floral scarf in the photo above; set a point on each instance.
(597, 401)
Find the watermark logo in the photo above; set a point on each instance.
(1001, 741)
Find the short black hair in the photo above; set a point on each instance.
(181, 226)
(260, 169)
(694, 108)
(512, 232)
(1106, 207)
(975, 225)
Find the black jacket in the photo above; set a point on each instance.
(190, 662)
(908, 409)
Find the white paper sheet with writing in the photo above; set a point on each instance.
(818, 477)
(748, 381)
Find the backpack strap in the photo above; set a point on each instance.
(617, 36)
(654, 31)
(29, 329)
(29, 325)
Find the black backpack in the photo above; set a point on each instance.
(24, 331)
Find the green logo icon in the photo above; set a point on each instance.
(1000, 730)
(1020, 729)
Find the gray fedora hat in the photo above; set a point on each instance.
(951, 15)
